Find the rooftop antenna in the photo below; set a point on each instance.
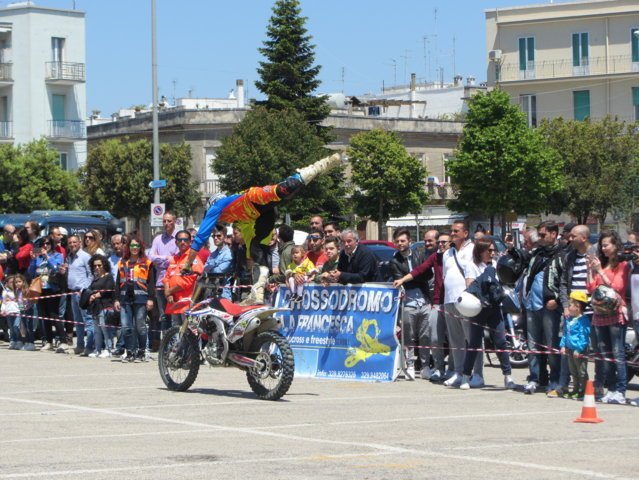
(427, 56)
(454, 68)
(405, 57)
(343, 77)
(394, 65)
(174, 82)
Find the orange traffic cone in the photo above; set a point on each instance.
(588, 411)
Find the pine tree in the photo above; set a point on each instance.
(288, 76)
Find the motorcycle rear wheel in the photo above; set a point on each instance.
(518, 357)
(273, 375)
(178, 359)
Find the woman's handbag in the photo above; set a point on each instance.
(35, 288)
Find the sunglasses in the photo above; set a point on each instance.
(134, 245)
(218, 235)
(443, 242)
(178, 240)
(97, 265)
(89, 237)
(313, 238)
(492, 250)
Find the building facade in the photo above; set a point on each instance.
(42, 79)
(570, 60)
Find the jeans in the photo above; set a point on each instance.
(103, 332)
(458, 337)
(611, 347)
(49, 309)
(133, 319)
(83, 322)
(543, 335)
(13, 323)
(415, 322)
(492, 319)
(437, 323)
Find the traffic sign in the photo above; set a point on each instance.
(157, 212)
(157, 184)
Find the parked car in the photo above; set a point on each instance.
(75, 222)
(383, 253)
(377, 242)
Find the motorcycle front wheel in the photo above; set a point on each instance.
(178, 359)
(518, 356)
(273, 374)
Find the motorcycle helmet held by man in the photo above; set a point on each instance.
(468, 305)
(510, 267)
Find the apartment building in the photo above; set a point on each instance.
(570, 60)
(42, 79)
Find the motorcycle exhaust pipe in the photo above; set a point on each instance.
(242, 360)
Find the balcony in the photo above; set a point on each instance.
(67, 130)
(6, 131)
(561, 69)
(6, 74)
(210, 187)
(65, 73)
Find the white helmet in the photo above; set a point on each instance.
(468, 305)
(214, 199)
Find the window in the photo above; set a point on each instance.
(634, 42)
(527, 57)
(57, 107)
(57, 49)
(635, 102)
(528, 105)
(580, 64)
(581, 104)
(63, 160)
(447, 158)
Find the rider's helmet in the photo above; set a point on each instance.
(213, 199)
(510, 267)
(605, 301)
(468, 305)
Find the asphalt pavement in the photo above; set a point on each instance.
(64, 416)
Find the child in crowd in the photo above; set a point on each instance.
(574, 342)
(14, 304)
(299, 266)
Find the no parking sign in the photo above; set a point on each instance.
(157, 212)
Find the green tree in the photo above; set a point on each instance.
(388, 180)
(117, 174)
(265, 148)
(33, 180)
(501, 165)
(599, 164)
(287, 76)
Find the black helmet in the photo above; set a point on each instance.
(510, 267)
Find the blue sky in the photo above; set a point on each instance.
(205, 45)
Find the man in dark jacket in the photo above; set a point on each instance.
(356, 264)
(416, 304)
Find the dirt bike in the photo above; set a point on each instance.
(223, 333)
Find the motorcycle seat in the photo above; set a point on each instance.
(235, 309)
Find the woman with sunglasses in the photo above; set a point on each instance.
(134, 297)
(101, 305)
(93, 242)
(481, 278)
(45, 262)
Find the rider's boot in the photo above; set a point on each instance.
(324, 165)
(256, 297)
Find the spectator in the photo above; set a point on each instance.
(315, 253)
(416, 301)
(78, 273)
(134, 297)
(117, 245)
(6, 251)
(566, 236)
(332, 229)
(22, 253)
(286, 244)
(14, 305)
(574, 278)
(204, 252)
(543, 315)
(632, 295)
(178, 288)
(45, 263)
(356, 264)
(455, 263)
(220, 261)
(432, 266)
(430, 242)
(316, 222)
(33, 230)
(606, 269)
(481, 280)
(531, 239)
(101, 305)
(574, 342)
(93, 243)
(331, 249)
(301, 265)
(58, 236)
(162, 250)
(274, 254)
(240, 262)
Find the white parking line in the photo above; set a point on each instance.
(379, 448)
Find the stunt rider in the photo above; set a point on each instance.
(253, 213)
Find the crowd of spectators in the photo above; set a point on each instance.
(117, 297)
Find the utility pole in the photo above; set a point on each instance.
(156, 133)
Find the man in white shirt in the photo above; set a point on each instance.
(455, 262)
